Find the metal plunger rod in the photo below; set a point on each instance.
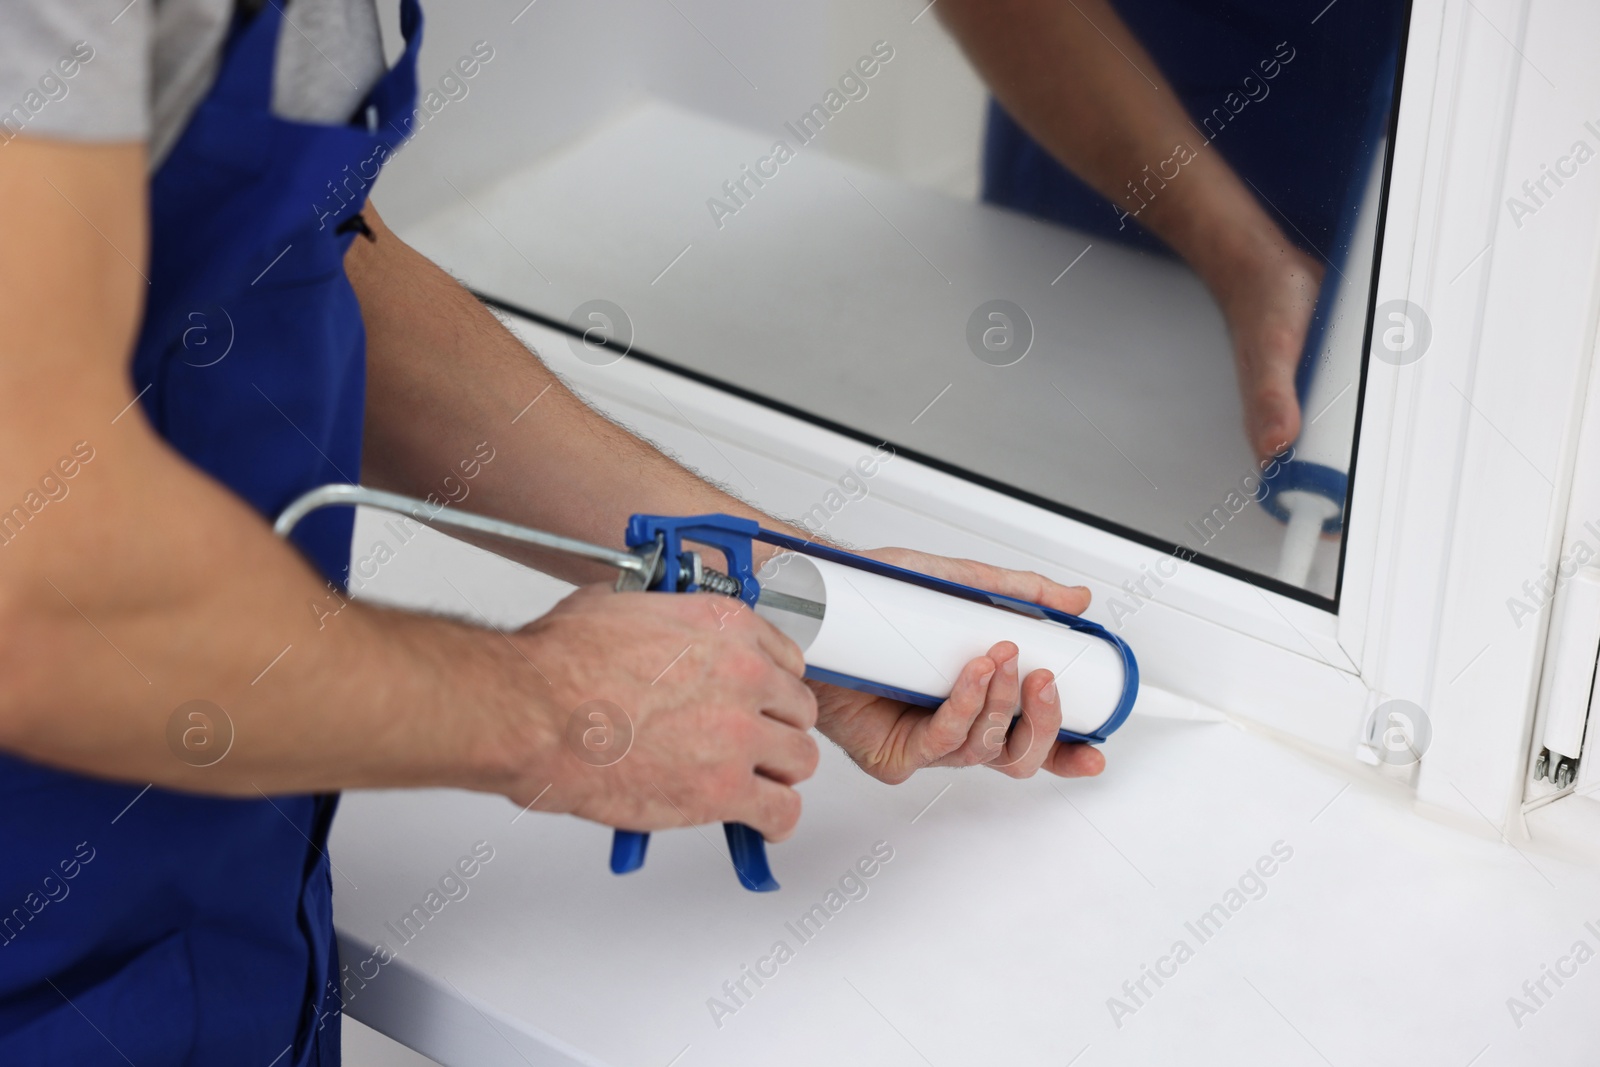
(437, 515)
(329, 496)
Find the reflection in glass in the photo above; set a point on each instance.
(1145, 307)
(1297, 111)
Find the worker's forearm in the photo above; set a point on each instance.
(148, 587)
(131, 584)
(1078, 80)
(447, 384)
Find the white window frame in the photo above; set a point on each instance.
(1448, 516)
(1466, 457)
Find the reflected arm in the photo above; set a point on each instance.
(1080, 83)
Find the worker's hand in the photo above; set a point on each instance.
(705, 718)
(1268, 298)
(890, 739)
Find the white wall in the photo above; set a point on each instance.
(565, 66)
(925, 124)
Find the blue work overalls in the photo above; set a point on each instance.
(1303, 137)
(191, 929)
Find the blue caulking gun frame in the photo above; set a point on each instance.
(658, 561)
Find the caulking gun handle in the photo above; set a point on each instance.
(749, 852)
(745, 846)
(627, 851)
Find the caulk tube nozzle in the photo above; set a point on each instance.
(1308, 511)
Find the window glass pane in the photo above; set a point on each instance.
(1114, 257)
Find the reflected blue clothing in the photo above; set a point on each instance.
(193, 929)
(1297, 108)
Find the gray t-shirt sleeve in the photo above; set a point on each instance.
(131, 70)
(78, 69)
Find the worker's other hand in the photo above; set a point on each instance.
(890, 739)
(1268, 297)
(668, 711)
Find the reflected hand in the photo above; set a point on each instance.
(1268, 305)
(889, 739)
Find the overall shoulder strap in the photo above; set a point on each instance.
(248, 58)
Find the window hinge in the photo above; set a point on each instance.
(1567, 688)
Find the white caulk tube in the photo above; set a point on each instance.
(1315, 505)
(903, 637)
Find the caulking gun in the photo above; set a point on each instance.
(862, 624)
